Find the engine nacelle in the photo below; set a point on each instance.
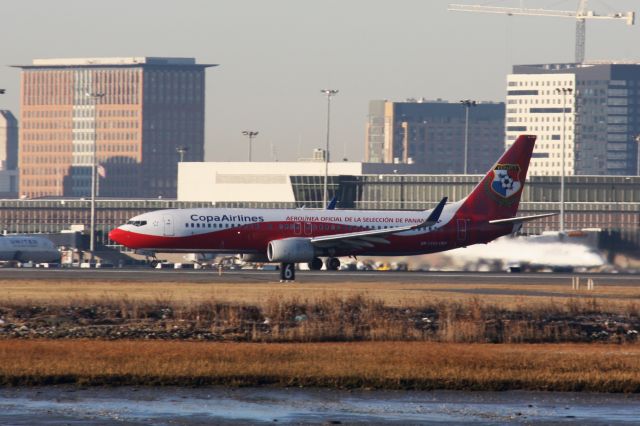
(254, 257)
(291, 250)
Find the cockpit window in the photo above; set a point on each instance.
(137, 222)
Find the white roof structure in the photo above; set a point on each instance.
(134, 60)
(263, 181)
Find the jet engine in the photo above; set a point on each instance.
(291, 250)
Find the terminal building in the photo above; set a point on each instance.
(431, 134)
(138, 109)
(611, 203)
(591, 108)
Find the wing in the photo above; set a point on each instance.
(521, 218)
(376, 236)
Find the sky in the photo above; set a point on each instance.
(275, 56)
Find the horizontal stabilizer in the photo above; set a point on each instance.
(521, 218)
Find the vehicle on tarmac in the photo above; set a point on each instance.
(290, 236)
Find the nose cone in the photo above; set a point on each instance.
(119, 236)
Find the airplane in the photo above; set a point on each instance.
(557, 251)
(28, 248)
(198, 258)
(289, 236)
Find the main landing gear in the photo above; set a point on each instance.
(332, 264)
(315, 264)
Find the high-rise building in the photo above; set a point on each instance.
(139, 109)
(431, 134)
(8, 140)
(8, 154)
(592, 108)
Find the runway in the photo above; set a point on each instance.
(327, 277)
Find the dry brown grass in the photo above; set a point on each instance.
(354, 318)
(390, 365)
(55, 292)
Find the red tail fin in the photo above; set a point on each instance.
(498, 194)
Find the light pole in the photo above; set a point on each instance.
(325, 193)
(93, 98)
(182, 150)
(638, 156)
(468, 103)
(564, 91)
(250, 134)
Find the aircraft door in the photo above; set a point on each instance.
(462, 229)
(167, 220)
(308, 226)
(297, 228)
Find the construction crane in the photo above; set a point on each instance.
(580, 15)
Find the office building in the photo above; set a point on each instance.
(140, 110)
(431, 134)
(8, 155)
(8, 140)
(592, 108)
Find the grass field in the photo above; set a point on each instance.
(351, 335)
(398, 294)
(388, 365)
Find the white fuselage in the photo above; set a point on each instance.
(28, 248)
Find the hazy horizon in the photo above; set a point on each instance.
(276, 55)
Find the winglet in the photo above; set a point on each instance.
(435, 214)
(332, 203)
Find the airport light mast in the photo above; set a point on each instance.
(250, 134)
(564, 91)
(638, 156)
(93, 97)
(468, 103)
(182, 150)
(325, 193)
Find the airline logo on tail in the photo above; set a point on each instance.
(506, 180)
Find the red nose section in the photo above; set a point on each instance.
(119, 236)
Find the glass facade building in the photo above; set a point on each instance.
(592, 108)
(430, 134)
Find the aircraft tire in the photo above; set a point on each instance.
(315, 264)
(333, 264)
(153, 263)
